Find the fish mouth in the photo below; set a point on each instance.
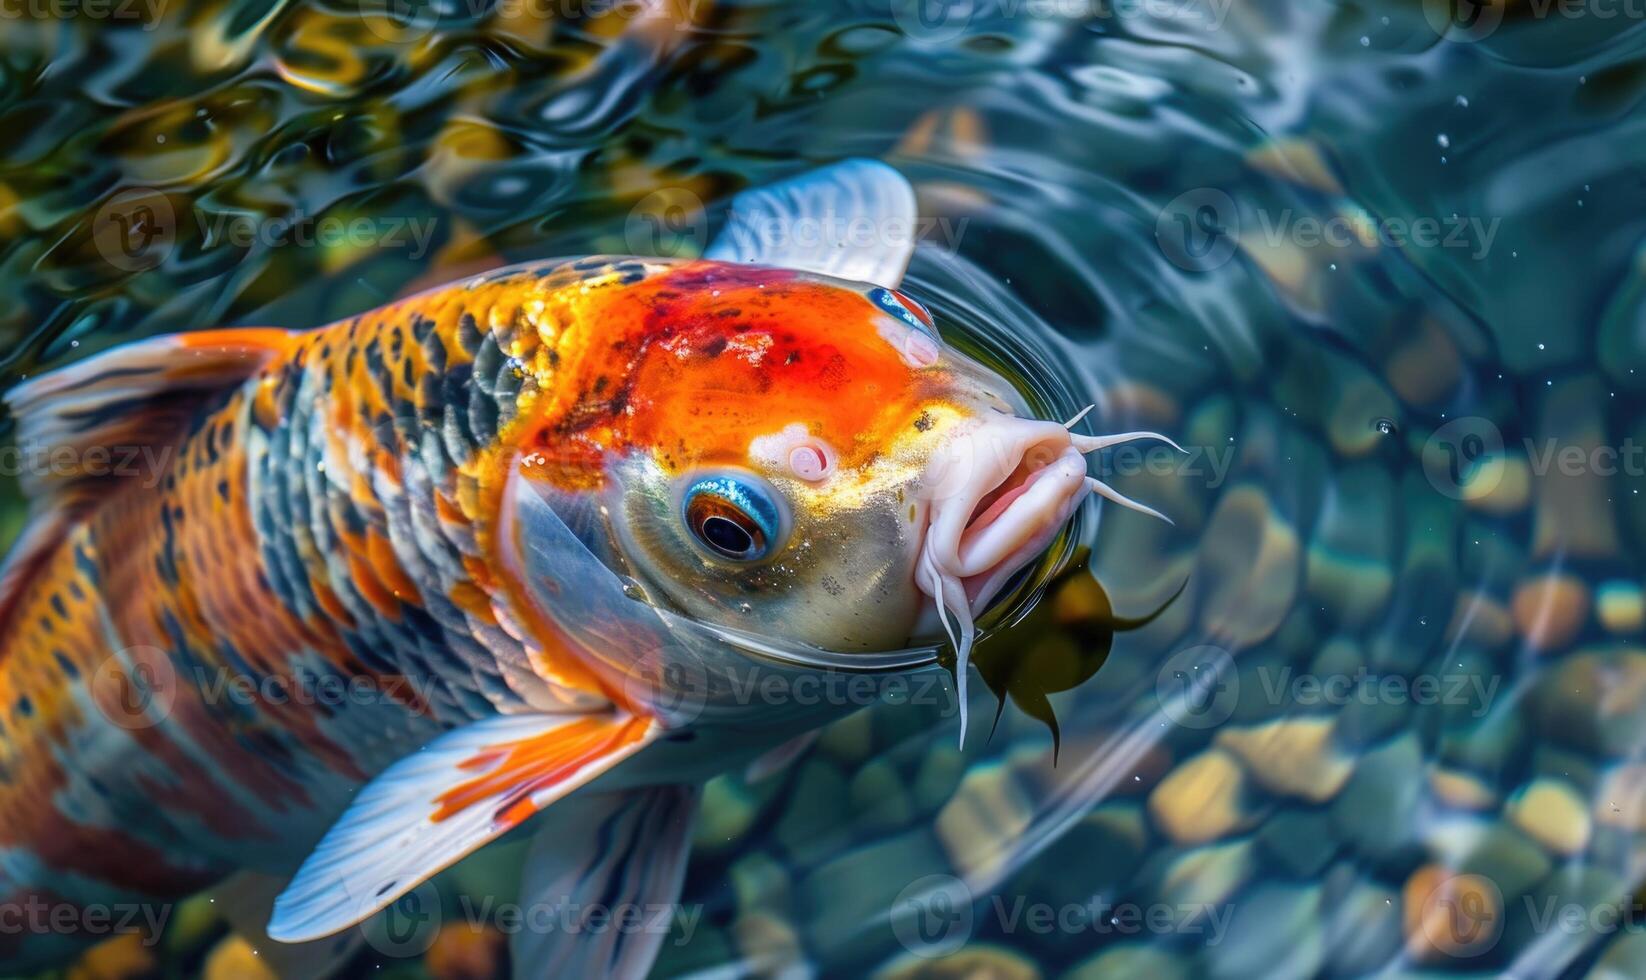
(999, 490)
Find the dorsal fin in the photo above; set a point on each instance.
(107, 418)
(852, 220)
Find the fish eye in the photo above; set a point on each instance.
(735, 517)
(901, 305)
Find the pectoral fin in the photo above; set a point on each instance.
(433, 807)
(620, 857)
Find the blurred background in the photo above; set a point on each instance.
(1375, 265)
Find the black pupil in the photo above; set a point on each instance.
(725, 536)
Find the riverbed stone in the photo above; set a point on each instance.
(1251, 558)
(1203, 799)
(1275, 932)
(1448, 916)
(1291, 756)
(1549, 609)
(1549, 811)
(988, 810)
(1376, 811)
(1132, 959)
(977, 961)
(1620, 606)
(1363, 929)
(872, 875)
(1461, 790)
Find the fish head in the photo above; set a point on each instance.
(805, 459)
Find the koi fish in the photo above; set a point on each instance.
(546, 518)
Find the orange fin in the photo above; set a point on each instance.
(438, 804)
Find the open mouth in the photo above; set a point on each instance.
(1000, 491)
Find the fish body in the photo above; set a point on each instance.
(390, 587)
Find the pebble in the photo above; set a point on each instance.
(1551, 813)
(1500, 485)
(1461, 790)
(122, 957)
(987, 813)
(1206, 876)
(769, 945)
(880, 798)
(814, 818)
(1550, 609)
(234, 959)
(1131, 959)
(1250, 555)
(1376, 811)
(872, 876)
(1449, 916)
(1620, 606)
(1482, 620)
(1274, 932)
(462, 952)
(1291, 756)
(1594, 701)
(975, 962)
(1363, 930)
(1202, 799)
(728, 811)
(759, 881)
(1624, 959)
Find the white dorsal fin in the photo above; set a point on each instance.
(850, 220)
(606, 854)
(438, 804)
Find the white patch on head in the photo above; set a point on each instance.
(794, 451)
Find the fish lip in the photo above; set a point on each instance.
(999, 493)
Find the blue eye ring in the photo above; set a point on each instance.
(733, 516)
(905, 308)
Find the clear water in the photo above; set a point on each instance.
(1381, 280)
